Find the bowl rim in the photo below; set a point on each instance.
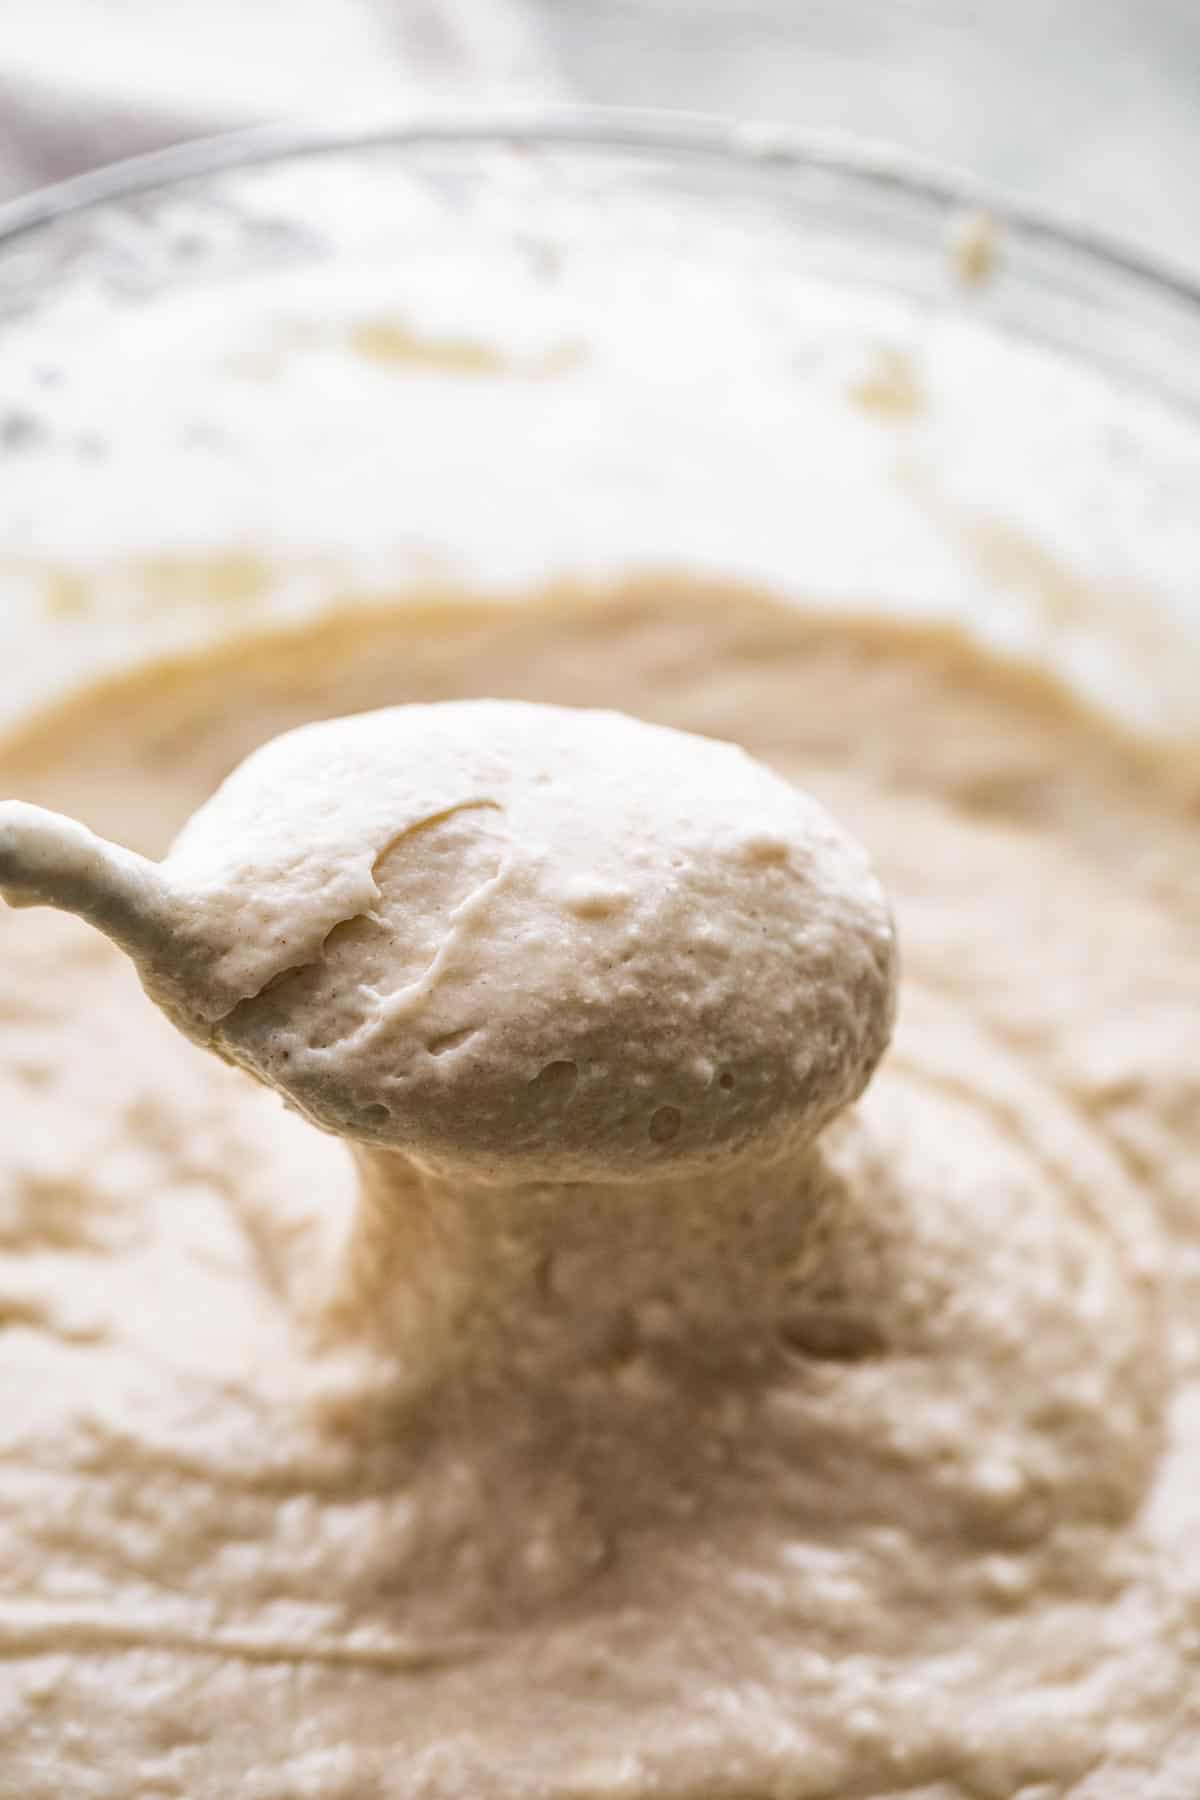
(697, 137)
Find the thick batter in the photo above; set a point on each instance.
(882, 1479)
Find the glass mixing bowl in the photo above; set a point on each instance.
(250, 381)
(254, 383)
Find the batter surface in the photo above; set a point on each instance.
(883, 1482)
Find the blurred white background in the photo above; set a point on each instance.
(1090, 108)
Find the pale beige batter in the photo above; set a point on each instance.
(872, 1469)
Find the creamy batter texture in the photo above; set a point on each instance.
(522, 942)
(873, 1470)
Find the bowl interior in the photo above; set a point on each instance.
(273, 377)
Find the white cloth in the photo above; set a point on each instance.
(87, 81)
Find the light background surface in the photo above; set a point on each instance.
(1089, 108)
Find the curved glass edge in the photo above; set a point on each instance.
(878, 164)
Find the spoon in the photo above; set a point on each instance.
(521, 939)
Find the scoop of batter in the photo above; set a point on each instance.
(525, 940)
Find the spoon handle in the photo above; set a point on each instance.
(47, 859)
